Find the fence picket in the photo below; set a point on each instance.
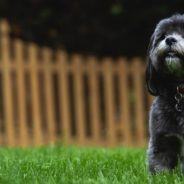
(49, 96)
(7, 84)
(64, 97)
(109, 100)
(23, 138)
(37, 130)
(79, 98)
(123, 72)
(139, 101)
(94, 98)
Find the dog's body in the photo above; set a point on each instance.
(165, 80)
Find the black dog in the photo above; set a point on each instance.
(165, 80)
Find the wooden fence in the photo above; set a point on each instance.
(49, 97)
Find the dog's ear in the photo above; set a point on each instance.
(152, 79)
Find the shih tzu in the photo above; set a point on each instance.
(165, 80)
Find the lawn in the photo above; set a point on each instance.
(67, 165)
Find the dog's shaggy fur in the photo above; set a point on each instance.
(164, 75)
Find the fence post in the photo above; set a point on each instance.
(37, 130)
(79, 97)
(138, 82)
(94, 98)
(7, 84)
(125, 123)
(109, 100)
(23, 138)
(64, 96)
(49, 97)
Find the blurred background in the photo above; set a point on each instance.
(72, 72)
(103, 28)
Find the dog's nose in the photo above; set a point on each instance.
(170, 41)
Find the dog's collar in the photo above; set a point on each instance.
(179, 97)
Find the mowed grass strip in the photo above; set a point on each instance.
(74, 165)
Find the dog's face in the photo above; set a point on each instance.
(167, 47)
(166, 51)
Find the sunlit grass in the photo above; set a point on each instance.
(67, 165)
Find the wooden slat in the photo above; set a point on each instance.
(109, 100)
(138, 81)
(79, 98)
(94, 98)
(24, 139)
(7, 85)
(37, 130)
(64, 97)
(49, 96)
(125, 122)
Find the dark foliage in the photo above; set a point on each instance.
(100, 27)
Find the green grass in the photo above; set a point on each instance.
(67, 165)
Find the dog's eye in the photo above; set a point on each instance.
(159, 38)
(162, 37)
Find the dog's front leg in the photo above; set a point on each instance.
(162, 156)
(182, 160)
(182, 167)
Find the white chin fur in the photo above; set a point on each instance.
(174, 64)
